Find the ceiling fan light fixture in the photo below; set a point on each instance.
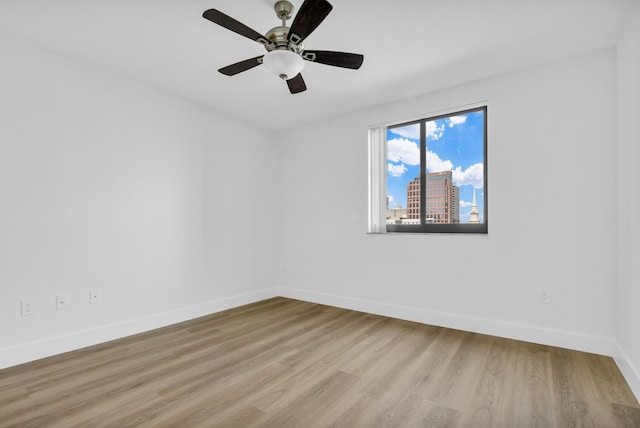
(283, 63)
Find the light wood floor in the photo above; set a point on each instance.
(288, 363)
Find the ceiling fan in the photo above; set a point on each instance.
(285, 50)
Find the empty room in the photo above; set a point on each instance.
(314, 213)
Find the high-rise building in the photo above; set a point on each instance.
(413, 198)
(442, 198)
(455, 204)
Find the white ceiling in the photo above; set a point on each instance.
(410, 46)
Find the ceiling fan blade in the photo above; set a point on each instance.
(239, 67)
(229, 23)
(310, 15)
(296, 85)
(337, 59)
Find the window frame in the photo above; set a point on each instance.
(423, 227)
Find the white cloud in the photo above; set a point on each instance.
(473, 175)
(396, 170)
(435, 164)
(456, 120)
(465, 204)
(433, 131)
(403, 150)
(413, 131)
(409, 131)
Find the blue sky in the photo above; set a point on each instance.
(454, 144)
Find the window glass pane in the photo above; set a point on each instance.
(455, 166)
(452, 148)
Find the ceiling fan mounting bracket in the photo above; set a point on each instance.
(284, 10)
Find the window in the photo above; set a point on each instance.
(430, 175)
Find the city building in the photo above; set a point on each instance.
(396, 215)
(442, 203)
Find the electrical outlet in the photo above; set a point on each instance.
(94, 296)
(27, 307)
(545, 296)
(62, 303)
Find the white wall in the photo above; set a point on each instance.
(552, 209)
(628, 297)
(106, 183)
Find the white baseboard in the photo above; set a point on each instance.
(528, 333)
(629, 371)
(26, 352)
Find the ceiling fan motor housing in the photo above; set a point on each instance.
(278, 38)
